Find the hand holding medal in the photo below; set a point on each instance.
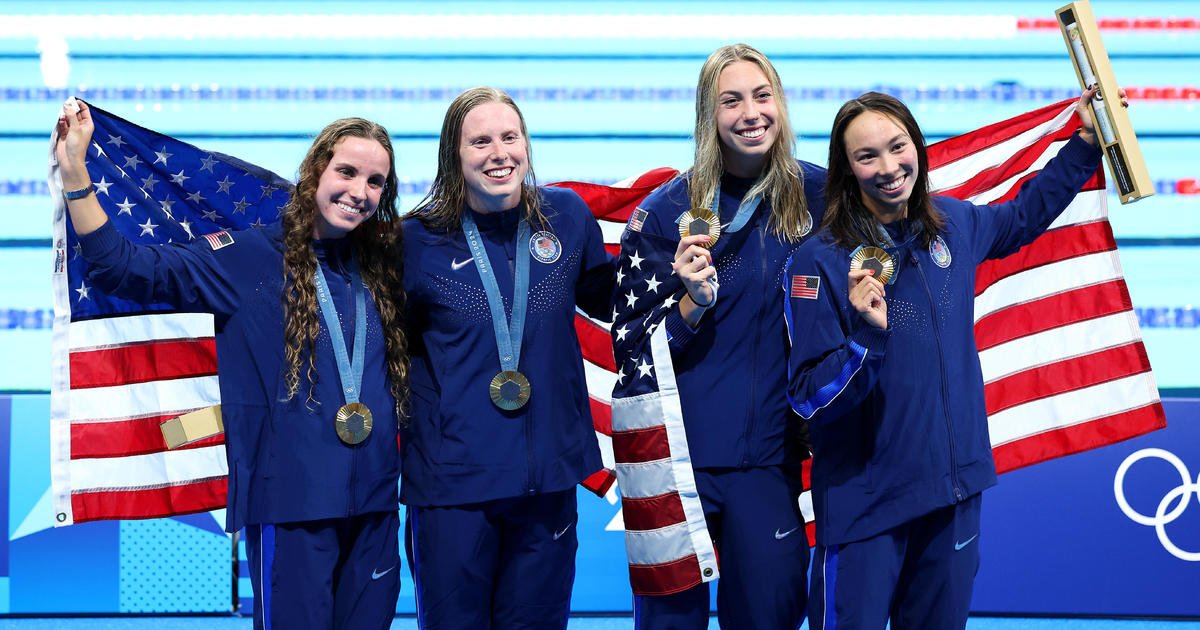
(693, 265)
(866, 296)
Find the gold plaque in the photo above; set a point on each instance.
(192, 427)
(509, 390)
(699, 221)
(876, 260)
(353, 423)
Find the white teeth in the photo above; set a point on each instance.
(499, 173)
(753, 133)
(893, 185)
(349, 209)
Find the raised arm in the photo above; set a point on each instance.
(75, 129)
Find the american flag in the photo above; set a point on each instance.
(1060, 347)
(805, 287)
(1064, 367)
(121, 368)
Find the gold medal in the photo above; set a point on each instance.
(509, 390)
(353, 423)
(699, 221)
(876, 260)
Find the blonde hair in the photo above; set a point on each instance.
(781, 182)
(442, 207)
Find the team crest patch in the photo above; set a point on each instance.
(939, 253)
(545, 247)
(805, 287)
(217, 240)
(807, 225)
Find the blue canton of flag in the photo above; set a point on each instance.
(647, 289)
(157, 190)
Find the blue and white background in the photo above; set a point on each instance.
(607, 92)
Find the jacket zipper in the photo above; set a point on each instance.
(937, 334)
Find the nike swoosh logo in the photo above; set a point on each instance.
(375, 575)
(779, 536)
(455, 265)
(558, 535)
(959, 545)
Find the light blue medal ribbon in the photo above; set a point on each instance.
(353, 422)
(509, 390)
(745, 209)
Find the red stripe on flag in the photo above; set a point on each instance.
(610, 203)
(1095, 182)
(143, 362)
(121, 438)
(188, 498)
(959, 147)
(1065, 376)
(649, 513)
(1018, 163)
(1079, 438)
(601, 416)
(595, 342)
(665, 579)
(641, 445)
(1051, 247)
(1051, 312)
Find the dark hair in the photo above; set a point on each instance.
(377, 242)
(849, 221)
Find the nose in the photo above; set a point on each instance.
(749, 110)
(358, 188)
(887, 164)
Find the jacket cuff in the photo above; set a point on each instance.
(101, 242)
(1077, 150)
(872, 338)
(678, 331)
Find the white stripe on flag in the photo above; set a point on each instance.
(142, 399)
(1072, 408)
(114, 331)
(152, 470)
(612, 231)
(1064, 342)
(990, 195)
(657, 546)
(1046, 280)
(1088, 206)
(960, 171)
(599, 382)
(645, 479)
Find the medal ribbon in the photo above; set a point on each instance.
(351, 373)
(508, 335)
(745, 209)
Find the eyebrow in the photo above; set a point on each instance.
(753, 89)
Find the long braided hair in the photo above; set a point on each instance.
(377, 244)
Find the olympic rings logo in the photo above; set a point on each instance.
(1161, 517)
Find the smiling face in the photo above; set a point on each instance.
(884, 160)
(350, 186)
(493, 156)
(746, 118)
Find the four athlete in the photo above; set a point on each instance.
(457, 328)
